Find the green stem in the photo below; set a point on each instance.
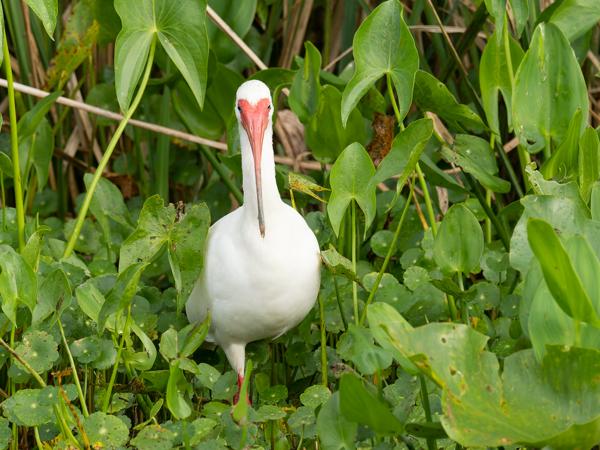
(422, 182)
(107, 154)
(3, 192)
(38, 441)
(488, 222)
(24, 363)
(388, 256)
(14, 145)
(427, 408)
(323, 342)
(339, 302)
(74, 370)
(354, 285)
(113, 375)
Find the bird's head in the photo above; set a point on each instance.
(254, 108)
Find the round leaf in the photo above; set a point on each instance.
(106, 431)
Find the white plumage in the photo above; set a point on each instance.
(256, 287)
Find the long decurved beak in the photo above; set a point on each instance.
(255, 119)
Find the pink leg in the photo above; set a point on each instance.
(236, 397)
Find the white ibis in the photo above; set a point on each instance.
(261, 271)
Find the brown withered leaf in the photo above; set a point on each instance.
(383, 135)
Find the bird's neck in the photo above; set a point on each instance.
(270, 193)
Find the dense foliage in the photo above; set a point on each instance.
(447, 164)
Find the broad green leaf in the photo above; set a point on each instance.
(33, 247)
(38, 349)
(521, 14)
(86, 350)
(154, 437)
(339, 265)
(432, 95)
(5, 431)
(122, 293)
(239, 16)
(334, 430)
(6, 165)
(576, 17)
(475, 156)
(357, 345)
(169, 344)
(47, 12)
(315, 396)
(499, 61)
(176, 386)
(589, 162)
(562, 279)
(89, 298)
(186, 248)
(350, 180)
(326, 136)
(459, 242)
(564, 161)
(32, 407)
(105, 430)
(150, 234)
(53, 297)
(541, 119)
(359, 404)
(40, 148)
(306, 87)
(382, 46)
(564, 213)
(405, 153)
(595, 201)
(530, 403)
(18, 283)
(180, 27)
(107, 203)
(194, 338)
(143, 360)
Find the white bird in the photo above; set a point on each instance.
(261, 271)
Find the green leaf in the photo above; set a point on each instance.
(350, 180)
(86, 350)
(541, 119)
(432, 95)
(18, 283)
(41, 148)
(302, 183)
(154, 437)
(5, 431)
(186, 249)
(107, 203)
(122, 293)
(54, 296)
(339, 265)
(176, 386)
(1, 36)
(475, 156)
(30, 121)
(306, 87)
(499, 61)
(38, 349)
(315, 396)
(106, 431)
(334, 430)
(326, 136)
(531, 404)
(564, 161)
(459, 243)
(194, 338)
(6, 165)
(239, 16)
(47, 12)
(180, 28)
(589, 162)
(31, 407)
(357, 345)
(576, 17)
(359, 404)
(382, 45)
(405, 152)
(562, 279)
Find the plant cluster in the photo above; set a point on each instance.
(448, 166)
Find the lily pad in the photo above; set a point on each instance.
(106, 431)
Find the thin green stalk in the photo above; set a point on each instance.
(354, 285)
(3, 193)
(74, 370)
(163, 143)
(323, 342)
(24, 363)
(14, 146)
(327, 32)
(107, 154)
(388, 255)
(422, 182)
(38, 441)
(431, 445)
(113, 375)
(339, 302)
(488, 222)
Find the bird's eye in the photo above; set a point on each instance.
(239, 109)
(269, 107)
